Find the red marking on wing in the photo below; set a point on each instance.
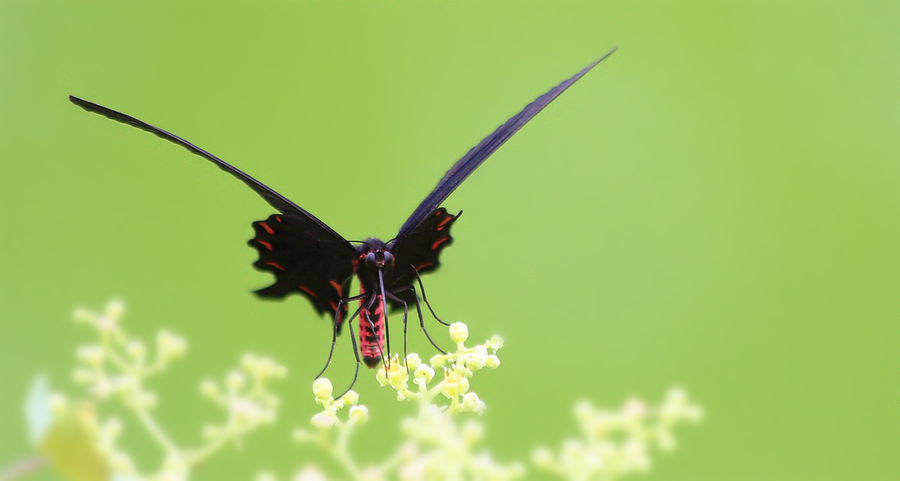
(333, 305)
(265, 244)
(275, 265)
(267, 228)
(307, 290)
(437, 243)
(337, 287)
(423, 265)
(445, 222)
(278, 218)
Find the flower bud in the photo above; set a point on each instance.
(322, 421)
(543, 458)
(359, 413)
(322, 389)
(438, 361)
(424, 372)
(235, 380)
(301, 436)
(115, 309)
(470, 401)
(475, 362)
(91, 356)
(492, 362)
(209, 389)
(170, 345)
(381, 377)
(350, 397)
(396, 375)
(83, 316)
(459, 332)
(310, 473)
(454, 385)
(413, 361)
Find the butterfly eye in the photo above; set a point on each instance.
(370, 259)
(388, 258)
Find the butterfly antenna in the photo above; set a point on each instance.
(362, 242)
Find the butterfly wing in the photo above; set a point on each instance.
(305, 255)
(276, 200)
(478, 154)
(303, 263)
(419, 251)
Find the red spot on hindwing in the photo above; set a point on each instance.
(267, 228)
(275, 265)
(437, 243)
(278, 219)
(307, 290)
(337, 287)
(423, 265)
(264, 244)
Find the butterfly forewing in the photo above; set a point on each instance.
(478, 154)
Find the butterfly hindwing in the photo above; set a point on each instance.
(419, 251)
(291, 248)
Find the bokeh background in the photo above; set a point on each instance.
(715, 206)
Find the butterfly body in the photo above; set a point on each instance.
(310, 259)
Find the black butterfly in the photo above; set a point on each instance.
(309, 258)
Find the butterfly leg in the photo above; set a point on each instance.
(425, 298)
(421, 317)
(355, 353)
(405, 317)
(337, 325)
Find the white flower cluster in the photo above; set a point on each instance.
(117, 367)
(435, 445)
(458, 367)
(616, 444)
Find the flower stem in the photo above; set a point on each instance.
(22, 468)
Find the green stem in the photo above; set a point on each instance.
(22, 468)
(152, 427)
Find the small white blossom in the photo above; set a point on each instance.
(459, 332)
(322, 421)
(359, 413)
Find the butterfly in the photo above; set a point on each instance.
(307, 257)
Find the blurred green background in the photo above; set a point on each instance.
(715, 206)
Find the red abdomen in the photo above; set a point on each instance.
(371, 331)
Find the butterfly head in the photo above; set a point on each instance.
(378, 259)
(374, 255)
